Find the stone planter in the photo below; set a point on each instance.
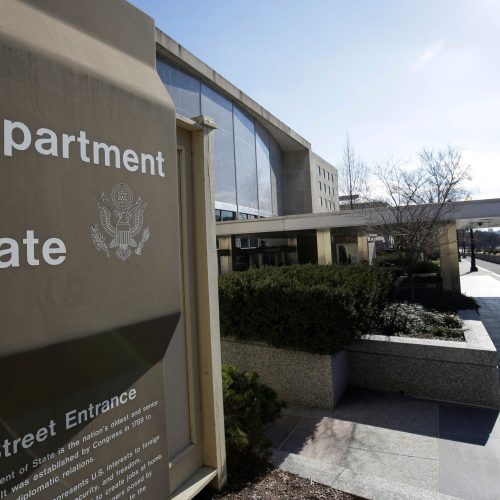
(462, 372)
(312, 380)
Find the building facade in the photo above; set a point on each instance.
(262, 167)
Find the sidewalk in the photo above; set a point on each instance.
(484, 286)
(389, 446)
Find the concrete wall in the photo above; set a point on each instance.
(313, 380)
(297, 181)
(488, 257)
(462, 372)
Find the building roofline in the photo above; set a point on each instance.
(167, 47)
(465, 213)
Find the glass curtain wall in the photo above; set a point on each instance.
(220, 110)
(263, 170)
(246, 171)
(248, 161)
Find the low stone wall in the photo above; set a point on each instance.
(488, 257)
(312, 380)
(463, 372)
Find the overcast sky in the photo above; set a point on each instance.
(397, 75)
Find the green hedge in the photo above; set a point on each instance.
(427, 266)
(248, 406)
(389, 260)
(317, 309)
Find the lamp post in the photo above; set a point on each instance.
(473, 267)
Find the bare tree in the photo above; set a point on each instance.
(446, 173)
(353, 175)
(418, 204)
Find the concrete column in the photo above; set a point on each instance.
(292, 242)
(260, 259)
(207, 299)
(324, 242)
(363, 254)
(449, 257)
(372, 252)
(226, 261)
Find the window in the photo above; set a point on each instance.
(182, 87)
(243, 216)
(246, 162)
(246, 242)
(227, 215)
(319, 170)
(319, 183)
(264, 183)
(324, 173)
(222, 215)
(321, 201)
(220, 109)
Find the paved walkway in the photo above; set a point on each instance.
(484, 285)
(388, 446)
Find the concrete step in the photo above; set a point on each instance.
(363, 485)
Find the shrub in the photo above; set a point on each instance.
(426, 266)
(413, 320)
(396, 260)
(389, 259)
(427, 280)
(317, 309)
(248, 405)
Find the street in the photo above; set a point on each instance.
(485, 265)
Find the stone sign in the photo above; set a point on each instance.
(90, 284)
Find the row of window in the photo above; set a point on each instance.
(322, 172)
(223, 215)
(329, 190)
(324, 202)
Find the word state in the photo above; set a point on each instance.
(53, 251)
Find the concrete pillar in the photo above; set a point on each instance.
(292, 242)
(372, 251)
(226, 256)
(363, 254)
(449, 257)
(260, 259)
(207, 299)
(324, 242)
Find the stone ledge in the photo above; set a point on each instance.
(462, 372)
(478, 349)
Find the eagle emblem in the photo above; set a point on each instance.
(121, 219)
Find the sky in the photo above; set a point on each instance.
(396, 75)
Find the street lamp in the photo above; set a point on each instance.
(473, 268)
